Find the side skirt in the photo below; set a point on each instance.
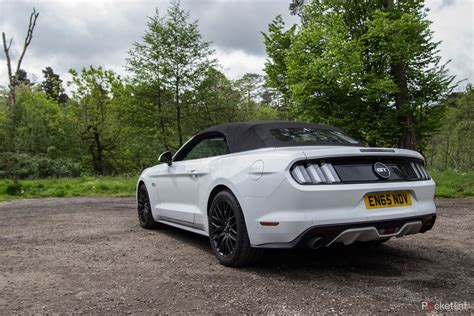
(184, 227)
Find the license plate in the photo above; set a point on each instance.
(387, 199)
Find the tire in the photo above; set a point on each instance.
(228, 233)
(145, 218)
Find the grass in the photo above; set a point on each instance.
(450, 184)
(453, 184)
(68, 187)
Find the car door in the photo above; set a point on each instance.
(178, 191)
(178, 184)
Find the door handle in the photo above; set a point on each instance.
(193, 173)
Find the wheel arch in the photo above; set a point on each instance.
(139, 184)
(218, 188)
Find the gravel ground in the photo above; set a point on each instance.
(89, 255)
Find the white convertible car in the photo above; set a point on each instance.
(255, 185)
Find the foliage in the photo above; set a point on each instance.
(214, 101)
(367, 67)
(43, 126)
(53, 87)
(173, 56)
(27, 166)
(17, 77)
(454, 184)
(43, 142)
(453, 146)
(278, 42)
(449, 184)
(68, 187)
(95, 107)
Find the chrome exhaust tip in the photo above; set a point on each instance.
(315, 242)
(427, 227)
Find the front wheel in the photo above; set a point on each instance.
(144, 209)
(228, 233)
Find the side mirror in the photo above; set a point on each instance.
(166, 157)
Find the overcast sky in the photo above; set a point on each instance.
(78, 33)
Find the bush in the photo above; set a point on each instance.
(452, 183)
(13, 189)
(65, 187)
(25, 166)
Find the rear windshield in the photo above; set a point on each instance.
(311, 135)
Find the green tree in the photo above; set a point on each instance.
(172, 55)
(53, 86)
(22, 78)
(370, 67)
(264, 113)
(250, 84)
(43, 127)
(258, 100)
(95, 107)
(278, 42)
(214, 101)
(45, 142)
(16, 75)
(453, 146)
(4, 119)
(147, 123)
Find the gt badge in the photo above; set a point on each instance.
(381, 170)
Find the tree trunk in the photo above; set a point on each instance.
(408, 139)
(178, 113)
(13, 74)
(162, 123)
(100, 154)
(94, 157)
(398, 70)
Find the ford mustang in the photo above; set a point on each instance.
(277, 184)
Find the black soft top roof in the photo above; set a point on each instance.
(243, 136)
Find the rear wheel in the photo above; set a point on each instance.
(228, 233)
(144, 209)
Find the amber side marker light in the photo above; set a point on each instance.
(269, 223)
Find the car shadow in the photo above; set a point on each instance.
(186, 237)
(385, 260)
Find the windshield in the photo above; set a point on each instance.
(311, 135)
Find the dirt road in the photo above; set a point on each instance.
(89, 255)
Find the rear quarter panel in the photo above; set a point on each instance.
(254, 173)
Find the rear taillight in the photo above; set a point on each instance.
(420, 170)
(357, 170)
(314, 173)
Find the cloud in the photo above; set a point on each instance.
(453, 25)
(238, 25)
(79, 33)
(75, 34)
(235, 63)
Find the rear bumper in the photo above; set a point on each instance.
(300, 209)
(368, 231)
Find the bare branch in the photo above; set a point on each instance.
(6, 49)
(29, 36)
(10, 44)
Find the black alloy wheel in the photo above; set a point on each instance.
(144, 209)
(228, 232)
(223, 228)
